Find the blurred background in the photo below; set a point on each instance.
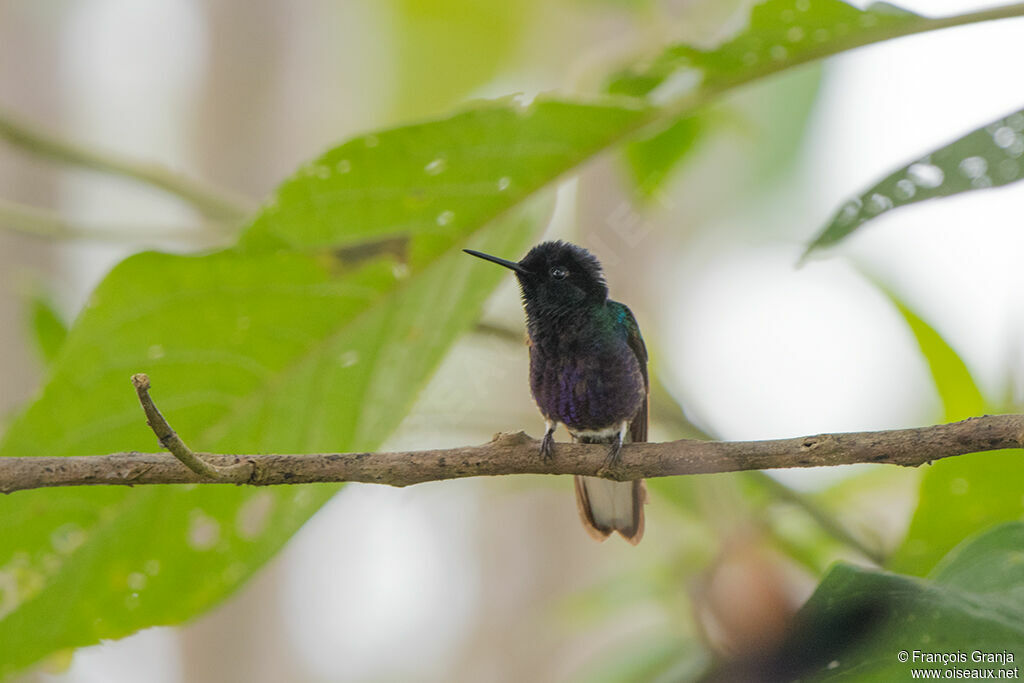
(494, 580)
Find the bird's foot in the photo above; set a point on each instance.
(547, 446)
(614, 456)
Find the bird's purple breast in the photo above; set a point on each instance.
(589, 387)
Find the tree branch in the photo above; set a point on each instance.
(235, 473)
(518, 454)
(213, 203)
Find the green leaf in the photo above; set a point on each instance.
(958, 391)
(436, 180)
(958, 496)
(247, 354)
(801, 30)
(651, 159)
(46, 325)
(250, 350)
(776, 117)
(974, 601)
(987, 157)
(781, 33)
(769, 120)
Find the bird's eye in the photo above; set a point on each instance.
(559, 273)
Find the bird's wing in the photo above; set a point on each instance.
(638, 427)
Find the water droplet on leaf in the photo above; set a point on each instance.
(849, 212)
(926, 175)
(66, 538)
(436, 166)
(254, 514)
(1004, 136)
(203, 531)
(905, 189)
(137, 581)
(878, 203)
(523, 99)
(973, 167)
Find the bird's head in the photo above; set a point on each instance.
(556, 275)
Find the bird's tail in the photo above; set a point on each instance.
(606, 506)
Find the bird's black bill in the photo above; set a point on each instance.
(511, 265)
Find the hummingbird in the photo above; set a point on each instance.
(588, 371)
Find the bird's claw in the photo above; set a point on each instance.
(547, 446)
(614, 456)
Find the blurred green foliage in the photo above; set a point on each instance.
(972, 601)
(779, 32)
(250, 350)
(318, 329)
(957, 390)
(440, 180)
(652, 158)
(958, 496)
(47, 326)
(466, 40)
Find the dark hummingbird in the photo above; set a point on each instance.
(588, 371)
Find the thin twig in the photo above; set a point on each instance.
(40, 223)
(235, 473)
(832, 526)
(212, 202)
